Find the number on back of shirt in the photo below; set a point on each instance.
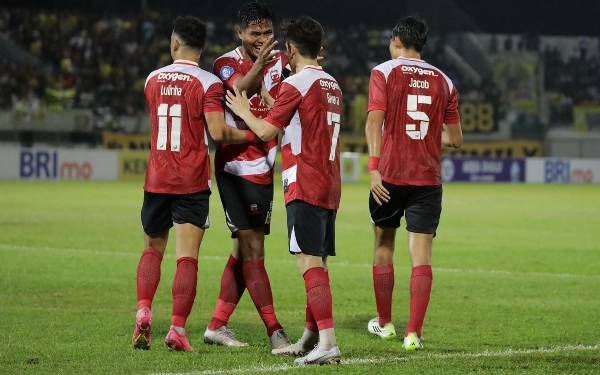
(164, 115)
(412, 104)
(334, 119)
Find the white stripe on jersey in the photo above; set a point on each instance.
(293, 135)
(289, 175)
(387, 67)
(252, 167)
(207, 79)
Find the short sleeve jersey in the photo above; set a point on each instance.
(417, 99)
(308, 108)
(251, 161)
(177, 97)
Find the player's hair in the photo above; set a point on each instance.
(412, 32)
(305, 33)
(254, 11)
(191, 31)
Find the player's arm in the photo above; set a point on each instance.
(221, 132)
(451, 131)
(252, 80)
(452, 135)
(374, 133)
(239, 104)
(215, 119)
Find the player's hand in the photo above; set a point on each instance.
(380, 193)
(237, 102)
(266, 56)
(265, 97)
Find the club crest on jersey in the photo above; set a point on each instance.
(275, 75)
(226, 72)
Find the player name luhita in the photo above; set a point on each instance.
(170, 90)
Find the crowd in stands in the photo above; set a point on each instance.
(100, 62)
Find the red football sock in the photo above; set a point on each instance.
(420, 290)
(184, 290)
(311, 323)
(148, 277)
(259, 287)
(383, 282)
(232, 288)
(318, 294)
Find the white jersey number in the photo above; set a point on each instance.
(175, 114)
(411, 108)
(334, 119)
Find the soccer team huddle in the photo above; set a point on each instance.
(256, 93)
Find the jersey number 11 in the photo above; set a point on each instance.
(175, 114)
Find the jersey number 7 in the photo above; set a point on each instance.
(175, 114)
(333, 119)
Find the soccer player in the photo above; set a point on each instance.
(245, 177)
(182, 100)
(308, 109)
(413, 111)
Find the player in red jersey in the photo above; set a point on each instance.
(308, 110)
(182, 100)
(245, 177)
(413, 111)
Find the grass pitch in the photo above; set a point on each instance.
(516, 285)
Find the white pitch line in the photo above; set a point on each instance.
(293, 261)
(362, 361)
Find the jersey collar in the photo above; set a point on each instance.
(314, 67)
(185, 62)
(410, 59)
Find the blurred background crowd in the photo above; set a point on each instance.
(58, 60)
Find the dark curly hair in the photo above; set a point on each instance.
(255, 11)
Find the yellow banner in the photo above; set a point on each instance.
(133, 165)
(587, 117)
(505, 149)
(126, 141)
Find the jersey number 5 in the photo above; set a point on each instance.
(175, 114)
(333, 119)
(411, 108)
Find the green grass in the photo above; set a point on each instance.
(515, 271)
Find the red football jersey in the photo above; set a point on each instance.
(177, 97)
(308, 108)
(252, 161)
(417, 99)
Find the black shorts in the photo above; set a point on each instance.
(247, 205)
(160, 211)
(422, 206)
(311, 229)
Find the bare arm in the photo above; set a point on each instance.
(238, 103)
(221, 132)
(252, 80)
(374, 134)
(452, 135)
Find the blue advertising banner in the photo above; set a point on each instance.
(483, 170)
